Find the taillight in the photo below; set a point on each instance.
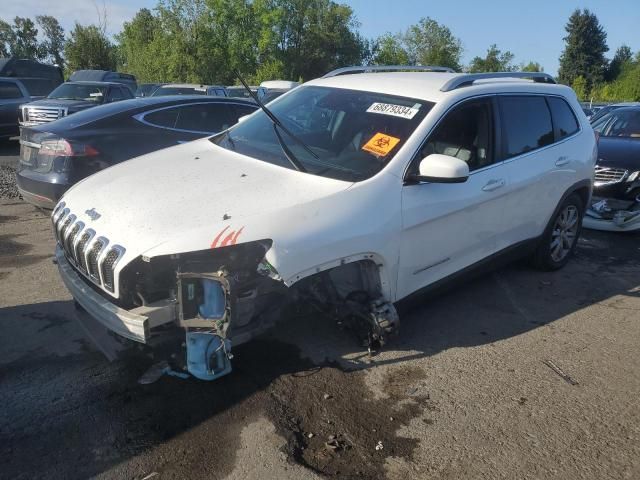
(57, 148)
(64, 148)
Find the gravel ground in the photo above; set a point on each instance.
(468, 390)
(9, 151)
(8, 187)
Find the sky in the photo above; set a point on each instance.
(530, 29)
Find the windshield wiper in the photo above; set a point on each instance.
(278, 124)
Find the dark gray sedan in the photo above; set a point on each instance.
(56, 155)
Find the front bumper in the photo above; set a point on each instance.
(122, 322)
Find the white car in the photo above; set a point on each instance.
(359, 191)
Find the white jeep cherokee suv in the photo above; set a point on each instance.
(359, 191)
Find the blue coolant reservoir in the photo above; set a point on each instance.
(207, 355)
(214, 301)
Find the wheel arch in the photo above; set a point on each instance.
(376, 260)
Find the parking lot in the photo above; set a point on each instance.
(518, 374)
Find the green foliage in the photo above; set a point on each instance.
(206, 41)
(583, 55)
(579, 85)
(25, 39)
(7, 39)
(89, 48)
(623, 56)
(494, 61)
(532, 67)
(52, 47)
(429, 43)
(389, 50)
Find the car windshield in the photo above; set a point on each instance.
(78, 91)
(163, 91)
(238, 92)
(619, 123)
(352, 133)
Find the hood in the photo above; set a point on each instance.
(616, 152)
(72, 105)
(192, 197)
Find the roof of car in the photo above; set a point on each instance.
(421, 85)
(184, 85)
(97, 84)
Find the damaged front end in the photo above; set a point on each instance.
(613, 215)
(190, 309)
(221, 297)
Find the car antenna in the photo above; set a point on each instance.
(273, 118)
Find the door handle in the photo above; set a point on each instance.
(562, 161)
(494, 184)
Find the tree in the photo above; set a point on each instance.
(579, 85)
(623, 56)
(311, 37)
(388, 50)
(429, 43)
(53, 45)
(583, 55)
(136, 45)
(89, 48)
(26, 39)
(7, 39)
(532, 67)
(494, 61)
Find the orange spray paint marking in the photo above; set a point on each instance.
(230, 239)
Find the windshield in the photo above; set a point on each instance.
(78, 91)
(619, 123)
(238, 92)
(353, 133)
(162, 91)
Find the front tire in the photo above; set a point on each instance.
(560, 238)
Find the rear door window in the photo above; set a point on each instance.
(564, 119)
(204, 117)
(163, 118)
(9, 90)
(242, 110)
(526, 124)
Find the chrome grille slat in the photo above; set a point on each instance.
(92, 256)
(81, 254)
(69, 241)
(92, 259)
(64, 229)
(107, 266)
(607, 176)
(41, 114)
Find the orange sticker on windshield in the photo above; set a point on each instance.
(380, 144)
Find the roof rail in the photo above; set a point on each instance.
(468, 78)
(387, 68)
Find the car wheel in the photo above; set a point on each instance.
(561, 235)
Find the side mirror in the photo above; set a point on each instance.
(438, 168)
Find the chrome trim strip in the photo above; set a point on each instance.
(30, 144)
(440, 262)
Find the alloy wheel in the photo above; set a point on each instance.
(564, 233)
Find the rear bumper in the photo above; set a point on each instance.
(42, 190)
(118, 320)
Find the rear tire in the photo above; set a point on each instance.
(560, 238)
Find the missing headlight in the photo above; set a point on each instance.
(204, 301)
